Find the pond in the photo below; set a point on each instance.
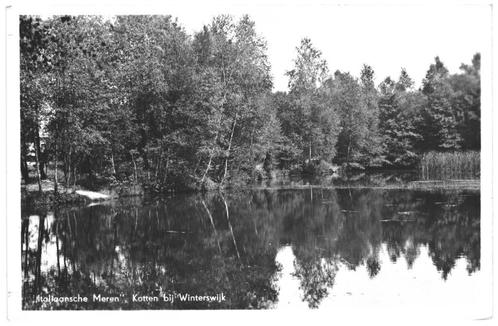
(313, 247)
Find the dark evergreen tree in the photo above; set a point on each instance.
(466, 102)
(399, 106)
(439, 121)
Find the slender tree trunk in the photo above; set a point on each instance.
(136, 219)
(41, 159)
(207, 168)
(211, 154)
(134, 167)
(112, 164)
(349, 149)
(38, 174)
(68, 168)
(228, 151)
(24, 164)
(25, 171)
(75, 176)
(309, 161)
(56, 187)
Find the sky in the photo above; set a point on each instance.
(386, 37)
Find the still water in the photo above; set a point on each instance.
(264, 249)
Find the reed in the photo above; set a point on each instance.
(450, 165)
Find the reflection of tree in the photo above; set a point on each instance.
(360, 238)
(313, 227)
(373, 266)
(412, 251)
(448, 224)
(317, 277)
(191, 245)
(168, 246)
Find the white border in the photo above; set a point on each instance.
(10, 180)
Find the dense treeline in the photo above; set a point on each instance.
(137, 98)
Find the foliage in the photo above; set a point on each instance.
(397, 105)
(136, 98)
(438, 125)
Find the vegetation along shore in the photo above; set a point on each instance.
(135, 104)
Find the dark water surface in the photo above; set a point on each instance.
(310, 248)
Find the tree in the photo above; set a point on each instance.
(236, 55)
(346, 95)
(399, 107)
(138, 99)
(372, 146)
(309, 119)
(34, 62)
(79, 94)
(288, 152)
(439, 124)
(310, 70)
(156, 71)
(466, 102)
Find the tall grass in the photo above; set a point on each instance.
(450, 166)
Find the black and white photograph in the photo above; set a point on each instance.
(282, 156)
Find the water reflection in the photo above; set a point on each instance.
(262, 249)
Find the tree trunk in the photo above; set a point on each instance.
(56, 187)
(207, 168)
(134, 167)
(41, 159)
(309, 161)
(38, 174)
(24, 164)
(67, 170)
(228, 151)
(112, 164)
(167, 168)
(24, 171)
(75, 175)
(349, 149)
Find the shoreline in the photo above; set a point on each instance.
(85, 197)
